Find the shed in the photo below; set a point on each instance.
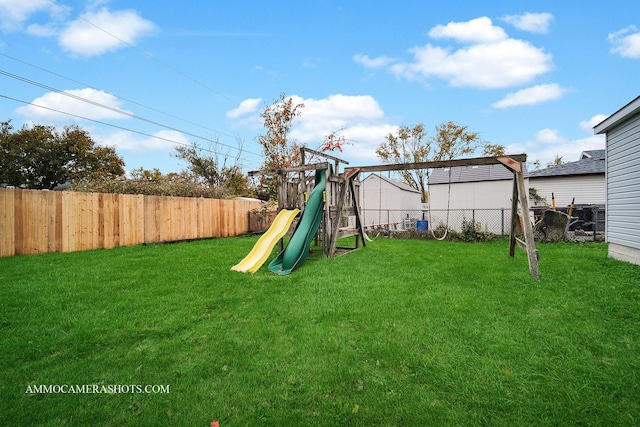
(622, 130)
(386, 201)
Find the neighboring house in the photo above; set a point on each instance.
(622, 130)
(386, 201)
(478, 193)
(583, 180)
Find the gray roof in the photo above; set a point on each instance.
(459, 174)
(401, 185)
(590, 163)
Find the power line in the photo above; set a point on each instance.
(107, 124)
(142, 52)
(119, 97)
(116, 110)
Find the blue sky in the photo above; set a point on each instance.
(534, 76)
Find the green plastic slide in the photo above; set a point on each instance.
(296, 251)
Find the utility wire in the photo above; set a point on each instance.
(142, 52)
(107, 124)
(119, 97)
(116, 110)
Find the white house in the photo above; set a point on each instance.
(480, 193)
(389, 202)
(622, 130)
(582, 181)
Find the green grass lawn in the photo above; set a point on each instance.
(401, 333)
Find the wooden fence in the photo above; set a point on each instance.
(35, 221)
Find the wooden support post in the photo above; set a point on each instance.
(282, 200)
(514, 217)
(356, 209)
(532, 253)
(326, 227)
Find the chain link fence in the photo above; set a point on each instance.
(494, 221)
(588, 218)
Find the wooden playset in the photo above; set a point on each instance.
(341, 216)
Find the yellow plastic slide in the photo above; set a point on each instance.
(263, 247)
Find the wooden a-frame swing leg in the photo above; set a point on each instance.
(520, 194)
(532, 253)
(514, 217)
(528, 245)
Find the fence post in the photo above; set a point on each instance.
(502, 219)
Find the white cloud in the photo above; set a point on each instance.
(69, 102)
(489, 59)
(532, 96)
(93, 33)
(475, 31)
(588, 125)
(362, 120)
(486, 66)
(96, 33)
(626, 42)
(363, 140)
(14, 13)
(532, 22)
(549, 136)
(43, 30)
(247, 106)
(548, 143)
(379, 62)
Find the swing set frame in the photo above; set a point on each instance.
(342, 197)
(520, 196)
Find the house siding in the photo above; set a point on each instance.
(586, 189)
(623, 184)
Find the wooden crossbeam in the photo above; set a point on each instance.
(523, 245)
(442, 163)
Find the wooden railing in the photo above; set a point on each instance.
(36, 221)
